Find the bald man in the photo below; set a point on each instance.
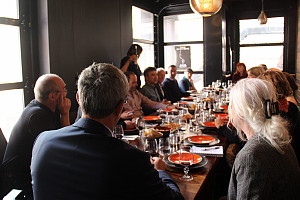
(48, 111)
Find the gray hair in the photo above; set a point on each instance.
(160, 69)
(247, 102)
(101, 87)
(44, 86)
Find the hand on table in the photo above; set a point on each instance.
(219, 121)
(129, 124)
(158, 163)
(127, 115)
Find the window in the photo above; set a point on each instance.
(183, 44)
(143, 34)
(12, 69)
(262, 44)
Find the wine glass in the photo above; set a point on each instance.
(151, 147)
(118, 132)
(186, 159)
(164, 147)
(140, 124)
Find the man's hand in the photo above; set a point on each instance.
(64, 105)
(129, 124)
(158, 163)
(127, 115)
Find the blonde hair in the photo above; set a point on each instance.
(247, 102)
(256, 71)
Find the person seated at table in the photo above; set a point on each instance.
(48, 111)
(130, 62)
(287, 109)
(149, 89)
(161, 77)
(84, 161)
(266, 167)
(255, 72)
(137, 103)
(171, 86)
(239, 73)
(187, 83)
(294, 87)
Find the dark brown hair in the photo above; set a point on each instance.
(279, 82)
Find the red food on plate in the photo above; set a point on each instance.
(201, 139)
(167, 110)
(209, 124)
(224, 107)
(174, 158)
(151, 118)
(221, 114)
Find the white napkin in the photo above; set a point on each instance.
(130, 137)
(209, 151)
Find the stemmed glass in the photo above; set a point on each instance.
(140, 124)
(186, 159)
(164, 147)
(118, 132)
(151, 147)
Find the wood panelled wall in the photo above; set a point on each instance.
(75, 33)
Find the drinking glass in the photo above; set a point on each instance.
(118, 132)
(186, 159)
(164, 147)
(151, 147)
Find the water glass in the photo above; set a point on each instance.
(164, 147)
(118, 132)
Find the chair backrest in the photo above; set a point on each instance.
(3, 144)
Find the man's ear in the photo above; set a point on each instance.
(77, 98)
(52, 96)
(119, 108)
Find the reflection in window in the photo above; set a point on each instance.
(183, 28)
(269, 37)
(10, 109)
(143, 34)
(185, 55)
(272, 56)
(183, 44)
(10, 54)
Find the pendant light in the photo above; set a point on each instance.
(206, 8)
(262, 18)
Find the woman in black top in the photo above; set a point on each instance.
(129, 63)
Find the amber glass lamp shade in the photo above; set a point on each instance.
(206, 8)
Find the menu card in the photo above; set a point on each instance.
(216, 151)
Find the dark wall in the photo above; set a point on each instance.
(81, 32)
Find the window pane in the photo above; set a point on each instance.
(272, 56)
(251, 32)
(197, 78)
(9, 8)
(184, 56)
(147, 57)
(183, 28)
(10, 54)
(142, 24)
(11, 107)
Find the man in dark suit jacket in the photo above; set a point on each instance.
(84, 161)
(171, 87)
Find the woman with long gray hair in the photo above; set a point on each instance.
(266, 167)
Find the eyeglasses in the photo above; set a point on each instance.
(125, 100)
(64, 90)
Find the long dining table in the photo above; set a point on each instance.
(203, 184)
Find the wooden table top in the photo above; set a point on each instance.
(195, 189)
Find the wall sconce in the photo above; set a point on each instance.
(206, 8)
(262, 18)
